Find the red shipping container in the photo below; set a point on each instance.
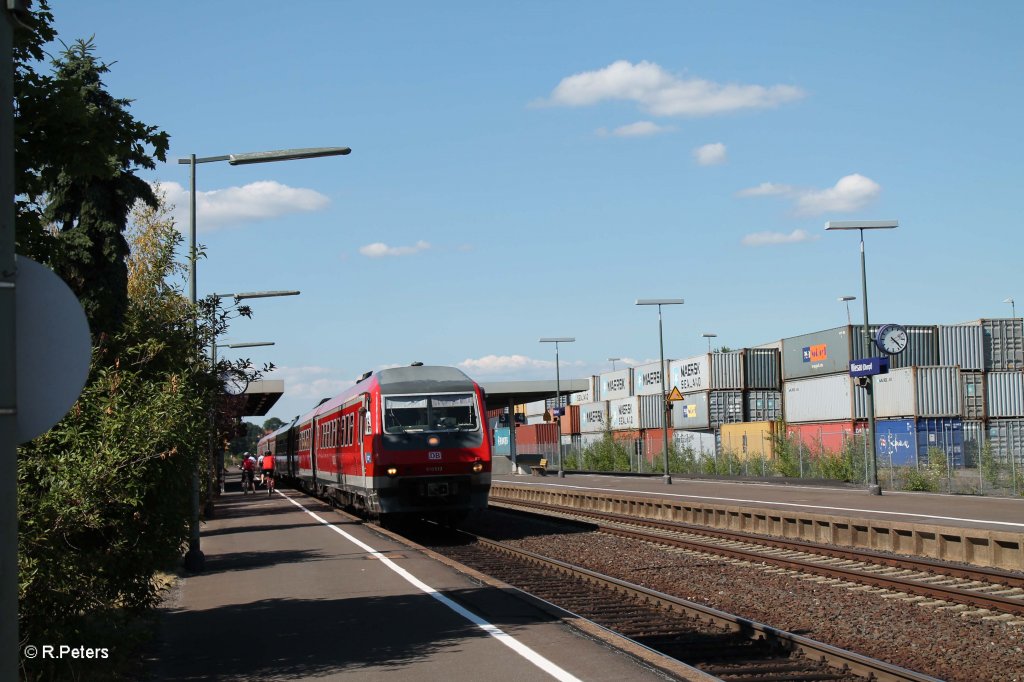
(537, 434)
(825, 436)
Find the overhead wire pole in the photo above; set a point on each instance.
(558, 394)
(666, 408)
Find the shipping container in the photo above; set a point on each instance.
(1006, 437)
(590, 439)
(617, 384)
(974, 439)
(922, 346)
(820, 399)
(528, 436)
(1003, 343)
(748, 439)
(654, 443)
(533, 420)
(708, 372)
(762, 369)
(972, 394)
(700, 443)
(816, 354)
(570, 422)
(1004, 394)
(534, 408)
(962, 344)
(652, 411)
(647, 379)
(918, 392)
(707, 410)
(624, 414)
(824, 437)
(906, 442)
(588, 396)
(552, 402)
(764, 406)
(593, 417)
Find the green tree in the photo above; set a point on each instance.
(272, 424)
(77, 151)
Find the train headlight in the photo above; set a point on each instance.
(391, 471)
(478, 466)
(433, 440)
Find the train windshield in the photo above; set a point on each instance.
(422, 413)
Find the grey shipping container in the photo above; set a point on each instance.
(922, 346)
(727, 371)
(918, 392)
(762, 369)
(1004, 394)
(816, 354)
(974, 441)
(652, 411)
(1006, 437)
(764, 406)
(962, 344)
(701, 443)
(707, 410)
(819, 399)
(972, 394)
(1004, 344)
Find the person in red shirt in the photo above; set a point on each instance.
(248, 473)
(268, 472)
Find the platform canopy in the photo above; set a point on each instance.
(257, 399)
(503, 393)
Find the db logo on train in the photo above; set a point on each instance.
(433, 455)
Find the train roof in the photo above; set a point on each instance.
(411, 379)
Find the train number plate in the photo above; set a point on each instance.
(434, 455)
(438, 490)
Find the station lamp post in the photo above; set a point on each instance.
(846, 300)
(194, 558)
(1013, 307)
(613, 360)
(664, 396)
(238, 160)
(558, 391)
(709, 336)
(873, 487)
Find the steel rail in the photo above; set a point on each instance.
(814, 650)
(951, 594)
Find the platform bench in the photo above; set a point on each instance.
(541, 469)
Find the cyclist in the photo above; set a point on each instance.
(267, 467)
(248, 472)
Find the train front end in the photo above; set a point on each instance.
(432, 456)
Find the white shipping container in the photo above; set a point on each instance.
(691, 375)
(701, 443)
(593, 417)
(534, 408)
(586, 396)
(819, 399)
(617, 384)
(624, 414)
(647, 378)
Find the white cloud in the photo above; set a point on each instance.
(769, 238)
(710, 154)
(664, 94)
(310, 382)
(638, 129)
(255, 201)
(850, 193)
(381, 250)
(498, 364)
(766, 189)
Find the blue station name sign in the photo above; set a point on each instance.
(869, 366)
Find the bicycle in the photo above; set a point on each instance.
(248, 483)
(268, 479)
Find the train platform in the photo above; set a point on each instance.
(294, 590)
(985, 531)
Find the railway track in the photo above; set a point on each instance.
(721, 645)
(996, 591)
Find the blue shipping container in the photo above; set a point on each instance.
(905, 442)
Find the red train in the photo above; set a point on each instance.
(408, 441)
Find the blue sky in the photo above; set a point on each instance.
(530, 169)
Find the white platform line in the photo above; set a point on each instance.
(526, 652)
(783, 504)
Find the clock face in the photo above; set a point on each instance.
(235, 382)
(892, 339)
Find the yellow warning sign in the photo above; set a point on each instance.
(675, 394)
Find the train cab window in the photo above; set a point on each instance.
(447, 412)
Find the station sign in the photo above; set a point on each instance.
(866, 367)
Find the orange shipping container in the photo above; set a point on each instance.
(537, 434)
(570, 421)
